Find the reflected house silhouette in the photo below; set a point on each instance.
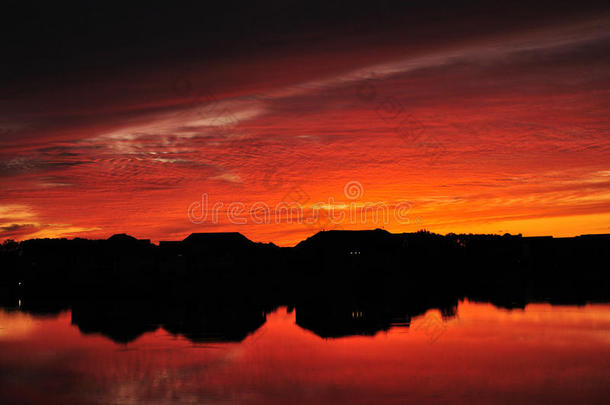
(330, 322)
(122, 322)
(125, 321)
(357, 316)
(205, 322)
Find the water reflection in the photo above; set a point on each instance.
(335, 319)
(216, 320)
(540, 354)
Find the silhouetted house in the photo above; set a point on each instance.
(599, 244)
(537, 250)
(171, 247)
(171, 258)
(217, 251)
(593, 250)
(426, 245)
(129, 255)
(343, 250)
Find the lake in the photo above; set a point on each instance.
(480, 355)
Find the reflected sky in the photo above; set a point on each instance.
(542, 354)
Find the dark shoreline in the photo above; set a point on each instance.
(220, 287)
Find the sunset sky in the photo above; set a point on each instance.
(483, 119)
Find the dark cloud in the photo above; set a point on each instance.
(17, 231)
(16, 227)
(26, 165)
(49, 40)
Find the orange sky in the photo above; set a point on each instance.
(505, 132)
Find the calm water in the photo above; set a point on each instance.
(484, 355)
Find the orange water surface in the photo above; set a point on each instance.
(485, 355)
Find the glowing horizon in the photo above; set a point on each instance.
(506, 133)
